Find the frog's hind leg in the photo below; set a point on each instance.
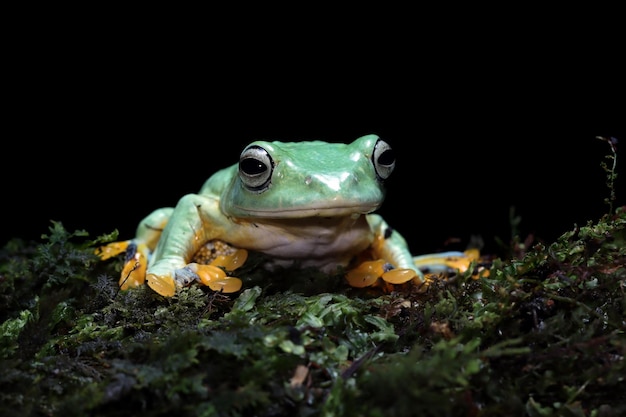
(139, 249)
(446, 263)
(135, 261)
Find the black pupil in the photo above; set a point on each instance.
(252, 166)
(387, 157)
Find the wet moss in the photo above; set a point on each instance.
(541, 335)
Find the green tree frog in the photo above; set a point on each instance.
(311, 203)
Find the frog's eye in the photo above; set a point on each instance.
(255, 168)
(384, 159)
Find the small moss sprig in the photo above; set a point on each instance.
(610, 171)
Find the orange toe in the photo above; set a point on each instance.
(164, 286)
(112, 249)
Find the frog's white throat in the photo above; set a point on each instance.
(312, 240)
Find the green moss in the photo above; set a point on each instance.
(542, 335)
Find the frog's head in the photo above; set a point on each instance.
(306, 179)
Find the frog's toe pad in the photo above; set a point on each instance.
(400, 276)
(210, 275)
(213, 277)
(366, 274)
(226, 284)
(163, 285)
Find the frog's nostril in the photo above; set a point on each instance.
(307, 180)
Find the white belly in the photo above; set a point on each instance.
(319, 242)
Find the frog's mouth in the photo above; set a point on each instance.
(311, 211)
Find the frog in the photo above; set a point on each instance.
(308, 203)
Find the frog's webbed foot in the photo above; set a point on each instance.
(210, 266)
(209, 275)
(432, 266)
(446, 265)
(369, 273)
(451, 262)
(135, 261)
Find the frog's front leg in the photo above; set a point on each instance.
(394, 263)
(390, 258)
(196, 220)
(390, 245)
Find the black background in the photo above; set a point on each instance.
(457, 175)
(98, 135)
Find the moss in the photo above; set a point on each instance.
(541, 335)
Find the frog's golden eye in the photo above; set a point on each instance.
(255, 168)
(384, 159)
